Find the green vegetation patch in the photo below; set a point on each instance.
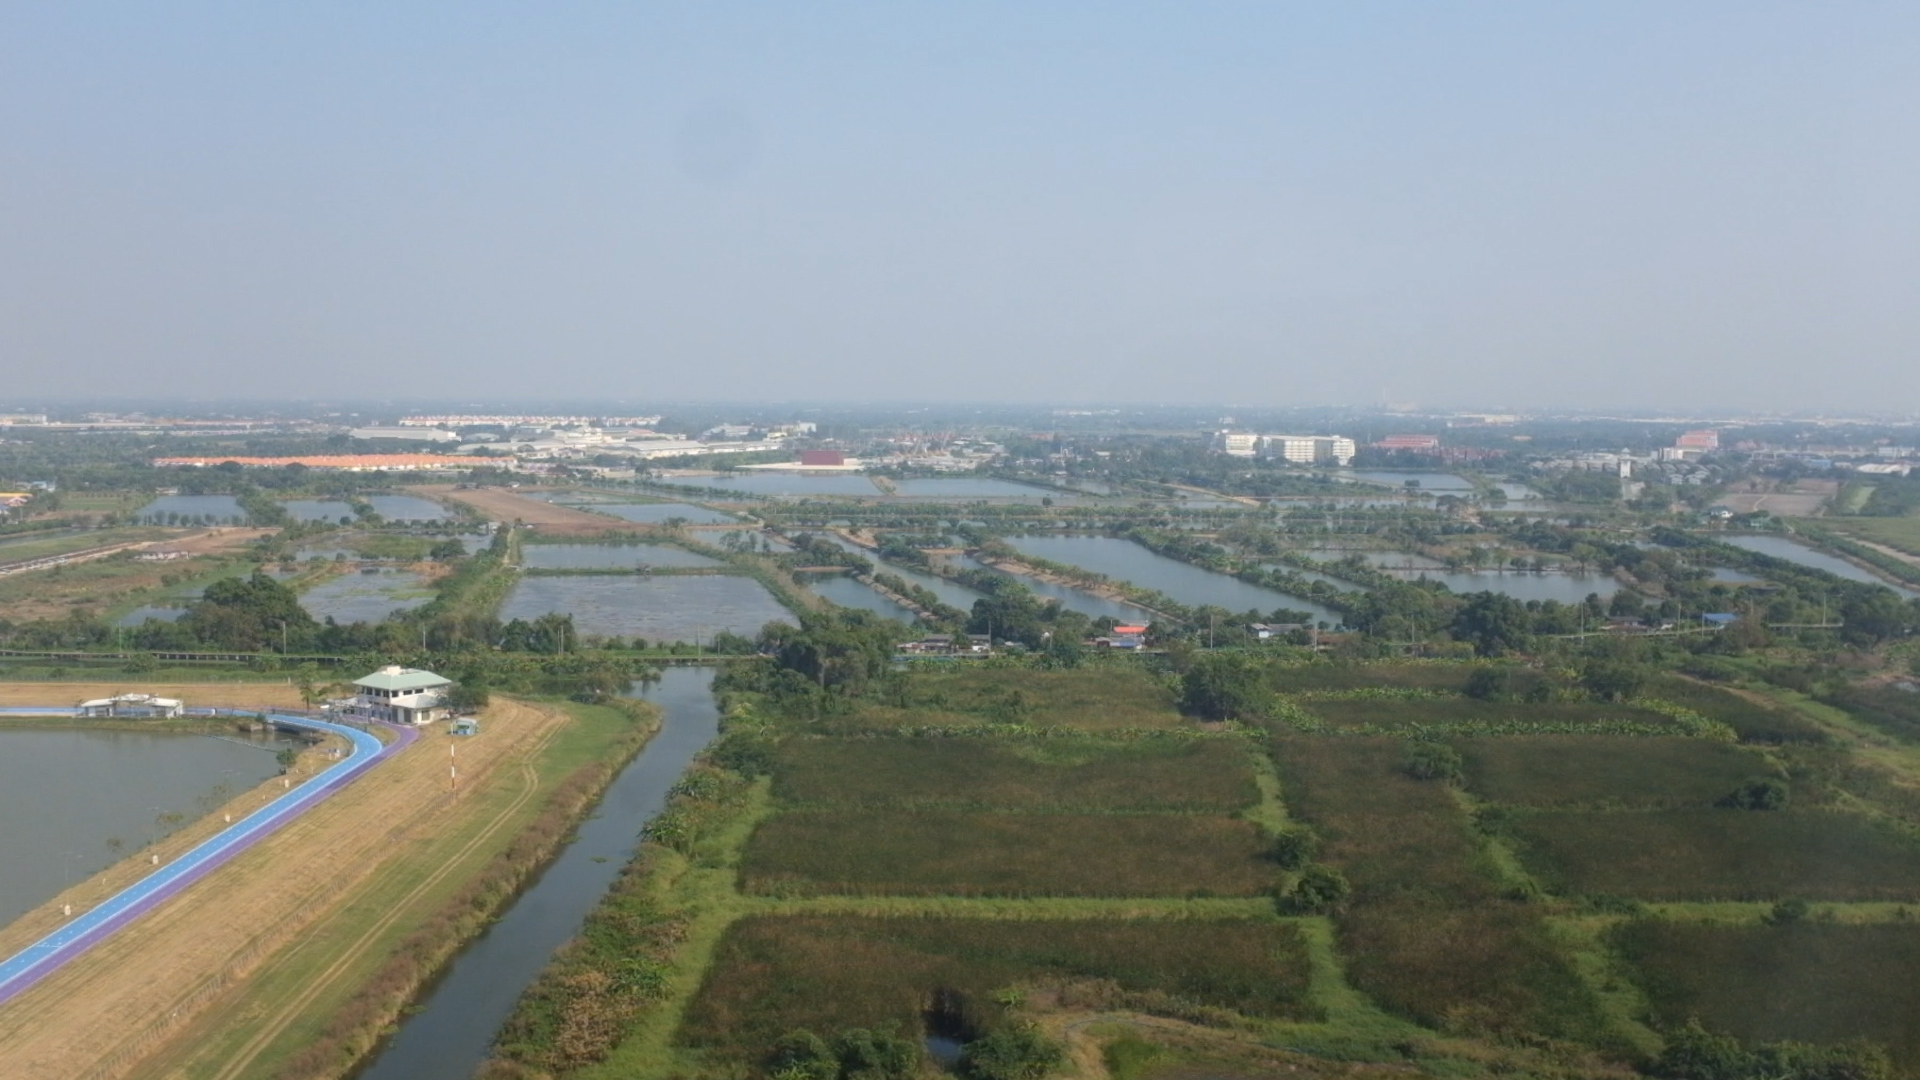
(1097, 697)
(1208, 775)
(1303, 678)
(1892, 710)
(1810, 982)
(772, 974)
(927, 853)
(1427, 932)
(1752, 721)
(1712, 854)
(1607, 770)
(1518, 717)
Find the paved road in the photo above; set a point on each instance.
(42, 958)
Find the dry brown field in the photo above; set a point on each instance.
(129, 1007)
(241, 695)
(549, 519)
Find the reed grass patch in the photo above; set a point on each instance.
(1428, 931)
(950, 853)
(1110, 696)
(1752, 721)
(1188, 776)
(1810, 981)
(1607, 770)
(1304, 678)
(772, 974)
(1715, 854)
(1387, 714)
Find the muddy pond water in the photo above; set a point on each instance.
(608, 556)
(73, 801)
(1782, 548)
(848, 593)
(363, 596)
(449, 1035)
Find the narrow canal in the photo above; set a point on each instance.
(453, 1030)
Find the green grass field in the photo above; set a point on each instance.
(1896, 712)
(1752, 721)
(773, 974)
(1809, 982)
(1427, 931)
(1705, 854)
(1606, 770)
(1388, 714)
(1111, 696)
(1902, 533)
(927, 853)
(1189, 776)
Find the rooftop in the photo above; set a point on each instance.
(394, 677)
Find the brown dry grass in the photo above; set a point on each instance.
(104, 1014)
(241, 695)
(548, 519)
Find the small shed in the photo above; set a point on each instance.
(466, 725)
(141, 705)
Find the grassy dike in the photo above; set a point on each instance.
(321, 1006)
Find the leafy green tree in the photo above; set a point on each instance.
(1759, 793)
(1294, 848)
(1613, 680)
(1018, 1052)
(1493, 623)
(1490, 684)
(1223, 686)
(252, 614)
(1432, 761)
(802, 1055)
(876, 1054)
(1319, 889)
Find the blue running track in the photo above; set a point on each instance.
(42, 958)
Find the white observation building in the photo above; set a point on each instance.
(401, 695)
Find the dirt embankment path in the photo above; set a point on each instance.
(501, 505)
(133, 996)
(231, 694)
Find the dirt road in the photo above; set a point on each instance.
(234, 694)
(102, 1015)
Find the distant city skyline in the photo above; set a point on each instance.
(1601, 206)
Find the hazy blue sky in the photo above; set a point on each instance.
(1694, 203)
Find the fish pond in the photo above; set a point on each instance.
(661, 513)
(1071, 598)
(796, 484)
(366, 596)
(77, 800)
(390, 507)
(1792, 551)
(660, 608)
(1124, 560)
(222, 509)
(848, 593)
(608, 556)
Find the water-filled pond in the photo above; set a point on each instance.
(770, 483)
(848, 593)
(1521, 585)
(391, 507)
(366, 597)
(1428, 481)
(607, 556)
(662, 608)
(448, 1037)
(67, 793)
(973, 487)
(1782, 548)
(1125, 560)
(1073, 599)
(660, 513)
(221, 508)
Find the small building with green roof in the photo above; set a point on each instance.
(401, 695)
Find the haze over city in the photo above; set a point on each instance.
(1633, 204)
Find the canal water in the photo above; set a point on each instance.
(451, 1033)
(1782, 548)
(1124, 560)
(1071, 598)
(66, 794)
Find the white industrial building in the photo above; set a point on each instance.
(140, 705)
(1297, 449)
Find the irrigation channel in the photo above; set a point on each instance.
(43, 957)
(450, 1035)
